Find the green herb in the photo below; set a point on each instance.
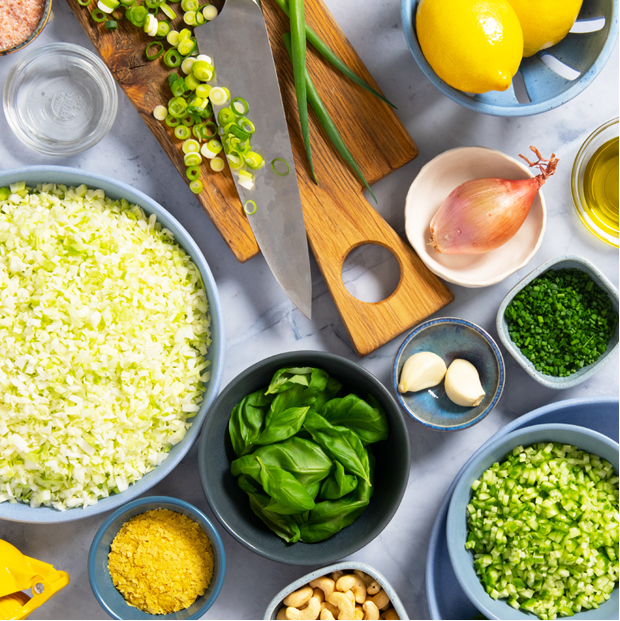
(329, 55)
(543, 529)
(561, 321)
(306, 477)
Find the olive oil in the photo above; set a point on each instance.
(600, 187)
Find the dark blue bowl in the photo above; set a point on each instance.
(450, 338)
(101, 582)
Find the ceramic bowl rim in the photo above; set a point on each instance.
(184, 239)
(165, 502)
(557, 383)
(446, 273)
(474, 468)
(45, 15)
(342, 565)
(313, 357)
(408, 8)
(501, 367)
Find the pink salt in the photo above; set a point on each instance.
(18, 20)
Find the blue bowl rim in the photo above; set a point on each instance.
(213, 535)
(550, 381)
(184, 239)
(408, 8)
(498, 357)
(310, 355)
(473, 466)
(342, 565)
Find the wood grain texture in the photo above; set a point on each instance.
(338, 217)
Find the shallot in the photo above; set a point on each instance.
(483, 214)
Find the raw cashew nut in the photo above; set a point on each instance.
(326, 614)
(381, 600)
(281, 616)
(298, 598)
(346, 607)
(390, 614)
(373, 588)
(311, 610)
(336, 574)
(350, 582)
(327, 585)
(371, 611)
(327, 606)
(363, 576)
(358, 615)
(318, 594)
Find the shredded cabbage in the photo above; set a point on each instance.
(104, 328)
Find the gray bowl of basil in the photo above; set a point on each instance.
(327, 447)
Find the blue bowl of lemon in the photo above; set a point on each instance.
(510, 57)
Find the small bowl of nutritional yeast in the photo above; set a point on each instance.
(560, 323)
(21, 22)
(594, 183)
(156, 557)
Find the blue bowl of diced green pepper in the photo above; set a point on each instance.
(543, 514)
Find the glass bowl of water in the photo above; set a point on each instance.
(60, 99)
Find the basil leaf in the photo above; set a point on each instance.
(366, 418)
(283, 379)
(331, 516)
(246, 421)
(284, 489)
(339, 443)
(284, 526)
(338, 483)
(280, 425)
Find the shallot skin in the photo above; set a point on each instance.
(483, 214)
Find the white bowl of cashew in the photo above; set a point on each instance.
(340, 588)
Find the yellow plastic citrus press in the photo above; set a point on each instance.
(19, 573)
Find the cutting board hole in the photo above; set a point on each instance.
(370, 273)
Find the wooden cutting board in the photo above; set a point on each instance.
(337, 215)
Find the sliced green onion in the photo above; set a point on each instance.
(211, 149)
(182, 132)
(246, 125)
(203, 90)
(191, 81)
(192, 172)
(160, 112)
(186, 65)
(150, 25)
(280, 167)
(190, 146)
(167, 10)
(107, 6)
(127, 3)
(137, 15)
(192, 159)
(163, 28)
(111, 24)
(189, 17)
(172, 58)
(249, 207)
(196, 186)
(209, 12)
(202, 70)
(235, 160)
(152, 4)
(189, 119)
(154, 50)
(253, 160)
(245, 179)
(219, 95)
(186, 46)
(225, 116)
(200, 18)
(217, 164)
(172, 121)
(178, 87)
(205, 57)
(173, 38)
(98, 15)
(177, 105)
(185, 33)
(240, 106)
(84, 2)
(190, 5)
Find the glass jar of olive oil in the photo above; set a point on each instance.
(594, 182)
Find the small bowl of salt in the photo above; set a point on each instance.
(21, 22)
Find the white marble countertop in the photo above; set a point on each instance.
(261, 321)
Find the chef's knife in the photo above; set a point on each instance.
(238, 43)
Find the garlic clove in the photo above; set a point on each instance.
(463, 385)
(422, 370)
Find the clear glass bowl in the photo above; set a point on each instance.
(600, 218)
(60, 99)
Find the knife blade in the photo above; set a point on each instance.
(278, 222)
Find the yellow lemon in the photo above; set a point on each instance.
(544, 22)
(473, 45)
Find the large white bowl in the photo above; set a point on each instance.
(20, 512)
(431, 187)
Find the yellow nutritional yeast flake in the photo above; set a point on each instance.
(161, 561)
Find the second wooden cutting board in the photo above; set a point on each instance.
(338, 217)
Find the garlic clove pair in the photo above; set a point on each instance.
(422, 370)
(462, 384)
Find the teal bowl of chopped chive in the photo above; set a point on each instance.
(560, 323)
(532, 525)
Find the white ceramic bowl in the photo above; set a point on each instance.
(431, 187)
